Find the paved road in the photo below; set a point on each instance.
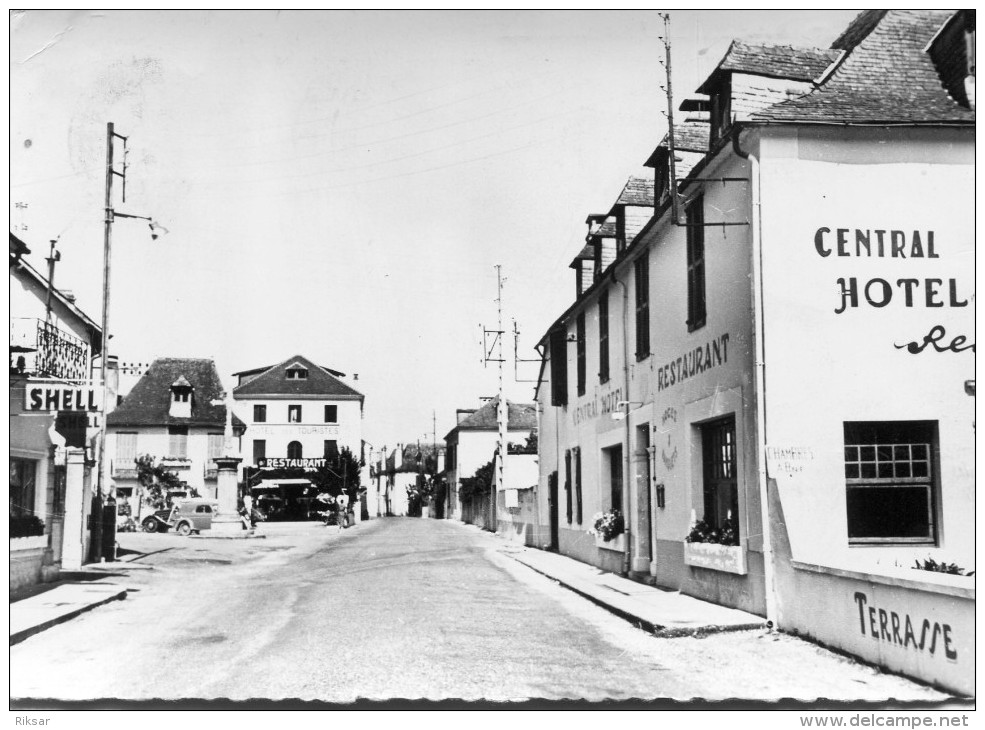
(395, 608)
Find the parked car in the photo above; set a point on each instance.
(186, 516)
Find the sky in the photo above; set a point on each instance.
(343, 184)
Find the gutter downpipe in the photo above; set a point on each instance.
(759, 379)
(626, 557)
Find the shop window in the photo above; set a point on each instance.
(578, 511)
(23, 473)
(559, 368)
(604, 337)
(294, 450)
(259, 414)
(642, 266)
(178, 442)
(721, 485)
(567, 483)
(331, 414)
(259, 449)
(294, 414)
(580, 345)
(890, 477)
(696, 311)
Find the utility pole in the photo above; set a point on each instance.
(502, 411)
(670, 121)
(53, 256)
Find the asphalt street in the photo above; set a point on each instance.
(395, 608)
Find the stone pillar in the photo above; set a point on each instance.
(228, 519)
(76, 498)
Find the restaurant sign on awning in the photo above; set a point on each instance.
(278, 463)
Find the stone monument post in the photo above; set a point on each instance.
(227, 520)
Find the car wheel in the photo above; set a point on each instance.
(149, 525)
(184, 529)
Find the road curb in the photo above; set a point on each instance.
(19, 636)
(657, 630)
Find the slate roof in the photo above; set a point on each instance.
(274, 381)
(586, 254)
(637, 191)
(606, 230)
(148, 403)
(522, 417)
(885, 77)
(779, 62)
(265, 368)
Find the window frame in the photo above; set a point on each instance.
(259, 413)
(178, 442)
(296, 373)
(559, 366)
(579, 514)
(295, 446)
(262, 443)
(928, 482)
(291, 409)
(335, 411)
(580, 352)
(712, 483)
(641, 271)
(567, 484)
(697, 295)
(604, 336)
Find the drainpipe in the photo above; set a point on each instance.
(759, 379)
(626, 557)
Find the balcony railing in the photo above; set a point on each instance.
(43, 350)
(123, 469)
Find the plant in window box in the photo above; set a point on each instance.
(26, 526)
(725, 534)
(608, 525)
(941, 567)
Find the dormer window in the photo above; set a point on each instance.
(181, 398)
(721, 108)
(297, 372)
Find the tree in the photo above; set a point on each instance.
(341, 474)
(478, 484)
(155, 481)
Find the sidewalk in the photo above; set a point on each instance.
(65, 601)
(663, 613)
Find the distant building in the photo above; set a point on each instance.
(405, 469)
(299, 415)
(472, 443)
(176, 414)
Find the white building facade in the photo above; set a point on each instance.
(772, 381)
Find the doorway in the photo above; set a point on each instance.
(552, 509)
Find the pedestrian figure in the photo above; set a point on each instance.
(247, 512)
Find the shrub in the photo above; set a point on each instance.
(26, 526)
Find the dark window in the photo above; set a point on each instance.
(615, 477)
(178, 442)
(721, 486)
(22, 485)
(696, 264)
(259, 414)
(297, 373)
(331, 449)
(642, 306)
(567, 483)
(620, 230)
(661, 179)
(331, 414)
(294, 414)
(578, 514)
(604, 337)
(721, 109)
(559, 368)
(259, 449)
(294, 450)
(889, 473)
(580, 344)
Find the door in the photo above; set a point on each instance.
(552, 508)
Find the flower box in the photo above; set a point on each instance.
(725, 558)
(33, 542)
(618, 543)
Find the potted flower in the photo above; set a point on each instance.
(607, 528)
(715, 547)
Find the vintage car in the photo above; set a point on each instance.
(185, 516)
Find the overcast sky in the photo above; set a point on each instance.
(341, 184)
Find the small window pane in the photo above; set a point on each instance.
(919, 451)
(885, 470)
(903, 469)
(851, 471)
(867, 453)
(920, 469)
(868, 471)
(888, 512)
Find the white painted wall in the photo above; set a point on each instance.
(312, 431)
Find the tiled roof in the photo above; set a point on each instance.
(275, 382)
(149, 402)
(637, 191)
(522, 417)
(586, 254)
(885, 77)
(780, 62)
(690, 136)
(254, 371)
(606, 230)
